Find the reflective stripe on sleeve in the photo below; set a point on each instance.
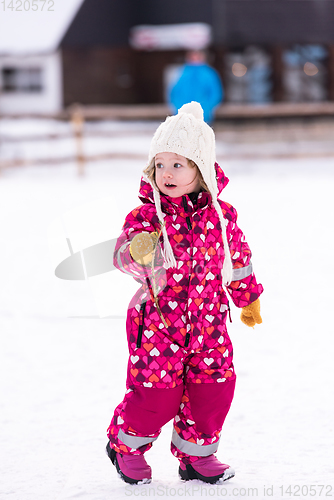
(242, 272)
(193, 448)
(134, 442)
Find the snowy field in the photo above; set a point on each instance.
(63, 367)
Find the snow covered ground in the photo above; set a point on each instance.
(63, 367)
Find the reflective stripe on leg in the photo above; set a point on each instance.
(134, 442)
(194, 449)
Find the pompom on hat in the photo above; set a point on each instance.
(188, 135)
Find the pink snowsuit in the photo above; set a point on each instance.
(184, 372)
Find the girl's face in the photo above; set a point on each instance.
(174, 175)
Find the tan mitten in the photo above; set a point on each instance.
(250, 315)
(142, 246)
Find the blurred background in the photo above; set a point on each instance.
(102, 52)
(83, 86)
(108, 60)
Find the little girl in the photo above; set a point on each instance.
(183, 244)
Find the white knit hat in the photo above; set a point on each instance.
(188, 135)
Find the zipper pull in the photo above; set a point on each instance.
(141, 324)
(229, 313)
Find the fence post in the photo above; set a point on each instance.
(77, 121)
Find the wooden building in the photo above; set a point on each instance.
(100, 67)
(264, 50)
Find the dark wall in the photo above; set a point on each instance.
(149, 68)
(108, 22)
(235, 22)
(101, 23)
(173, 11)
(243, 22)
(99, 76)
(99, 67)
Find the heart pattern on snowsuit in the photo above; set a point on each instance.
(195, 349)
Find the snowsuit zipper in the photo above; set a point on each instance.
(185, 206)
(141, 323)
(229, 312)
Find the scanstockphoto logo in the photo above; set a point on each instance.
(194, 490)
(82, 243)
(231, 491)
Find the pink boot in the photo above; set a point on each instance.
(133, 469)
(207, 469)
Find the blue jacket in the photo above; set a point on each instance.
(197, 82)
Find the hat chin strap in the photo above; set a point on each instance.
(167, 250)
(227, 264)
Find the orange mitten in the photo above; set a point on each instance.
(142, 246)
(250, 315)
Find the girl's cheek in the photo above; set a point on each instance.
(157, 175)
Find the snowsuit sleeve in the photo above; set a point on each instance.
(244, 288)
(137, 221)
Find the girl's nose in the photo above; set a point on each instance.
(167, 174)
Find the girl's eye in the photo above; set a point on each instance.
(177, 165)
(159, 165)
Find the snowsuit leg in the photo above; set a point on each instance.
(153, 391)
(137, 421)
(164, 381)
(204, 406)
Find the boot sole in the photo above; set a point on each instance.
(113, 457)
(190, 473)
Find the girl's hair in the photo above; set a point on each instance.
(150, 174)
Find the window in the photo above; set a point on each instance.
(305, 73)
(21, 79)
(248, 75)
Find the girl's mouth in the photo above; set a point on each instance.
(170, 186)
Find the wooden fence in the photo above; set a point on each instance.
(77, 115)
